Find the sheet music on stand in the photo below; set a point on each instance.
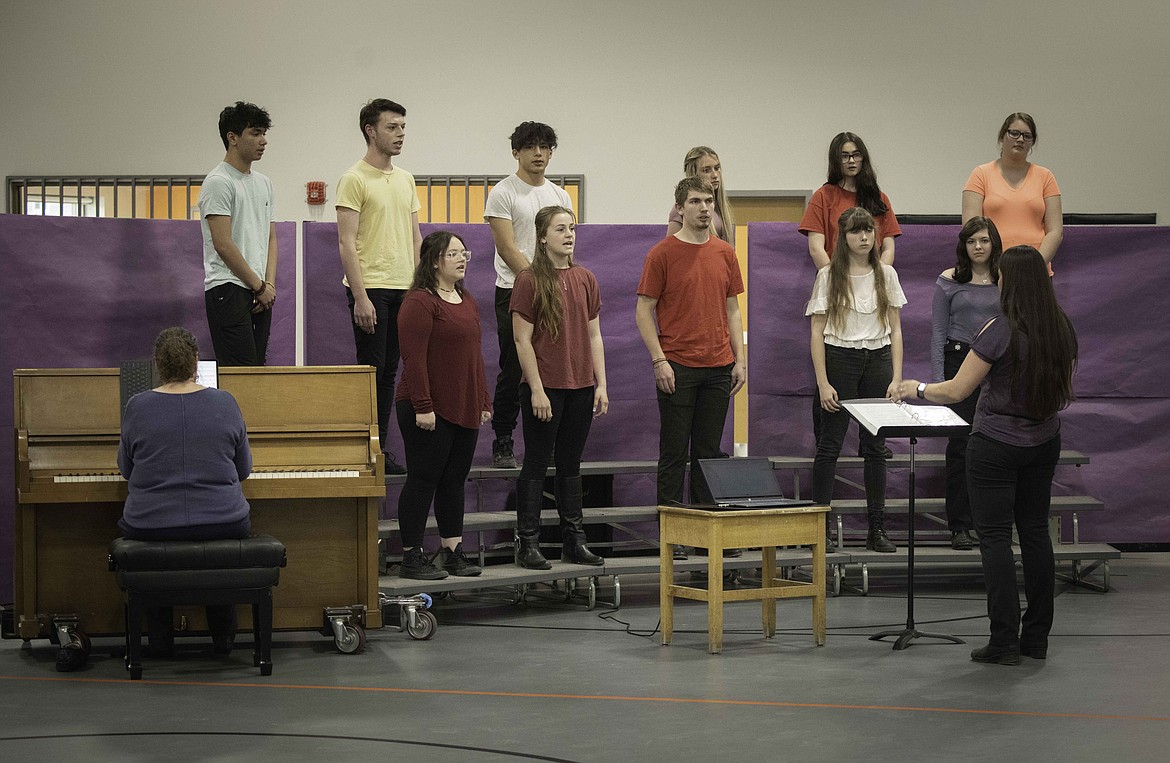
(886, 418)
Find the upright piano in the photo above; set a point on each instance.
(317, 484)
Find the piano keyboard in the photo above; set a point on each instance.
(257, 475)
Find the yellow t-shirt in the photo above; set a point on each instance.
(385, 202)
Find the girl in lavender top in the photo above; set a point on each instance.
(965, 299)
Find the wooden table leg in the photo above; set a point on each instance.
(665, 579)
(767, 579)
(818, 581)
(715, 598)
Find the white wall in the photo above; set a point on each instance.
(135, 86)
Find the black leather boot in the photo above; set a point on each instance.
(877, 540)
(570, 498)
(529, 499)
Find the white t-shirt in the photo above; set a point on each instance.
(513, 199)
(249, 201)
(863, 328)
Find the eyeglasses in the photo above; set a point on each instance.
(856, 156)
(1017, 135)
(464, 254)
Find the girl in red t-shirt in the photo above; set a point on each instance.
(555, 305)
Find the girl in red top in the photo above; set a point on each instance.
(555, 304)
(442, 400)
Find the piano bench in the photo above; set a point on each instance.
(169, 573)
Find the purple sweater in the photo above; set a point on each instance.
(183, 456)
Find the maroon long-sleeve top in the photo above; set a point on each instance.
(442, 363)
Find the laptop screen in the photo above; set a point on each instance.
(740, 478)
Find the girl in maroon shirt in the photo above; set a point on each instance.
(441, 402)
(555, 304)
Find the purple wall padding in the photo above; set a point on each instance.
(1111, 282)
(90, 293)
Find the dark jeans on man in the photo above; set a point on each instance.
(506, 403)
(239, 337)
(958, 502)
(437, 463)
(1012, 484)
(854, 373)
(380, 349)
(562, 437)
(691, 427)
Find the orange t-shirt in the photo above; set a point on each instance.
(827, 205)
(1018, 212)
(692, 283)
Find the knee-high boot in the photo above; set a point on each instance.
(529, 499)
(877, 540)
(570, 498)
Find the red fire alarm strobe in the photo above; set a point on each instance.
(315, 192)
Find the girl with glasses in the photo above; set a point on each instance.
(555, 306)
(442, 401)
(1023, 198)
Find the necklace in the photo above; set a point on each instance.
(449, 291)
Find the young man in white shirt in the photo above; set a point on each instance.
(379, 239)
(236, 208)
(510, 210)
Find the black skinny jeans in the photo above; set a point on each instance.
(563, 437)
(380, 349)
(691, 427)
(437, 463)
(506, 403)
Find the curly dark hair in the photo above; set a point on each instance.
(533, 134)
(176, 353)
(236, 119)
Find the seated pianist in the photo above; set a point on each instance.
(184, 451)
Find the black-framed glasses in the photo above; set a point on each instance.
(1027, 137)
(856, 156)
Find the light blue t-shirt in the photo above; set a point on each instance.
(249, 201)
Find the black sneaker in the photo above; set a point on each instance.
(416, 566)
(392, 465)
(502, 455)
(961, 540)
(456, 562)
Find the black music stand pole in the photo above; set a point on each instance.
(910, 632)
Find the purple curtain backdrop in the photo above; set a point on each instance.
(1110, 282)
(90, 293)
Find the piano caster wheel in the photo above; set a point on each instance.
(352, 639)
(74, 654)
(422, 626)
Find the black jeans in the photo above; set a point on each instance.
(854, 373)
(958, 502)
(1012, 484)
(562, 437)
(506, 403)
(380, 349)
(437, 463)
(691, 427)
(239, 337)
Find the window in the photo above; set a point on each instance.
(162, 197)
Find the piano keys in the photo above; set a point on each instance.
(317, 485)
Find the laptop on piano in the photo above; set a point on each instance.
(745, 483)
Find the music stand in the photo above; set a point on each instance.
(885, 418)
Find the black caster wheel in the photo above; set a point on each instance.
(353, 639)
(424, 626)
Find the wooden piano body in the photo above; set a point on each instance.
(317, 486)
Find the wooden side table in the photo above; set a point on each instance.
(744, 528)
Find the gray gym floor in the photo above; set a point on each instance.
(553, 681)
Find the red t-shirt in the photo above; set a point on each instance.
(566, 363)
(827, 205)
(442, 365)
(692, 283)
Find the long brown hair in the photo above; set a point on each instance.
(431, 253)
(840, 293)
(963, 260)
(869, 195)
(550, 310)
(1029, 305)
(722, 205)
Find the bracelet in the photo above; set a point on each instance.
(269, 283)
(660, 360)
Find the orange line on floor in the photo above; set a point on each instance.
(609, 697)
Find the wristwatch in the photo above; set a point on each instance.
(921, 390)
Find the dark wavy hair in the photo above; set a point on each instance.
(547, 299)
(434, 248)
(240, 117)
(1023, 118)
(373, 111)
(840, 293)
(533, 134)
(176, 353)
(963, 260)
(869, 196)
(1028, 303)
